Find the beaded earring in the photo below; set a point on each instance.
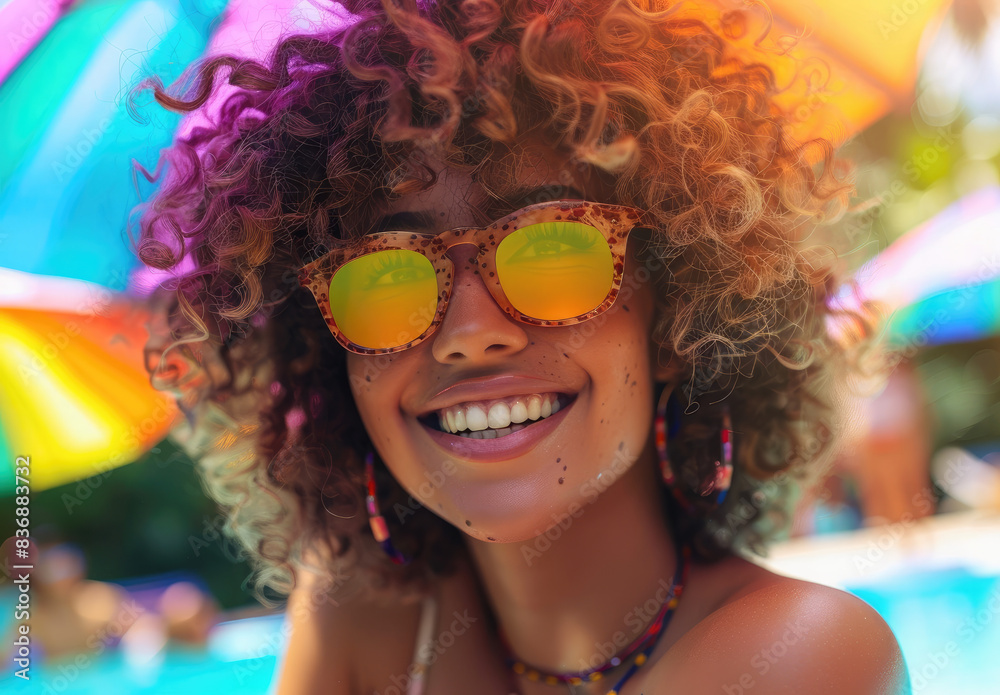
(723, 476)
(377, 522)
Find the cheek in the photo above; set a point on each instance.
(374, 384)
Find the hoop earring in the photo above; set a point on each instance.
(377, 522)
(723, 476)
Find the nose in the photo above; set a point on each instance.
(475, 328)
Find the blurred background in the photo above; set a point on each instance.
(135, 589)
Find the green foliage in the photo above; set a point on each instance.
(146, 518)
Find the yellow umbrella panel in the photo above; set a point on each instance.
(842, 64)
(74, 395)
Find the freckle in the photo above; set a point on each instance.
(625, 307)
(634, 383)
(621, 445)
(602, 421)
(559, 460)
(562, 480)
(440, 506)
(368, 378)
(564, 467)
(468, 523)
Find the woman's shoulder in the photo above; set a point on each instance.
(334, 642)
(785, 634)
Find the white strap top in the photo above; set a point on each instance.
(424, 647)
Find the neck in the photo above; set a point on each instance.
(569, 600)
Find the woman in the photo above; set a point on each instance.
(503, 333)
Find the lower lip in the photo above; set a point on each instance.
(502, 448)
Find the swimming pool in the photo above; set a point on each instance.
(935, 582)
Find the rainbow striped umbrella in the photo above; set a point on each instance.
(940, 282)
(74, 393)
(75, 396)
(961, 314)
(841, 64)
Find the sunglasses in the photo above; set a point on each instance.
(556, 263)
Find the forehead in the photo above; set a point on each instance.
(533, 173)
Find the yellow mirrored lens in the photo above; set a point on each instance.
(554, 271)
(384, 299)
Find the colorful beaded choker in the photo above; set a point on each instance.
(644, 644)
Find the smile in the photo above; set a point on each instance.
(487, 443)
(498, 417)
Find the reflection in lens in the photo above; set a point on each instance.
(384, 299)
(554, 271)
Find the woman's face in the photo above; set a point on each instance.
(602, 368)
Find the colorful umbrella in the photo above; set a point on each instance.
(958, 315)
(844, 64)
(940, 282)
(68, 140)
(75, 395)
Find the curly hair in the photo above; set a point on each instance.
(337, 123)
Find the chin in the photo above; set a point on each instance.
(512, 510)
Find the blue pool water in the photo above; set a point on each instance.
(948, 626)
(947, 622)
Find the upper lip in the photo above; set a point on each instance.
(487, 388)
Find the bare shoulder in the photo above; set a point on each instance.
(778, 635)
(330, 640)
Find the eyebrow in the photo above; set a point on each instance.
(523, 196)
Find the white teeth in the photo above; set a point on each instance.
(485, 420)
(499, 433)
(475, 418)
(518, 411)
(534, 407)
(499, 416)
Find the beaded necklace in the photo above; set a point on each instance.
(644, 644)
